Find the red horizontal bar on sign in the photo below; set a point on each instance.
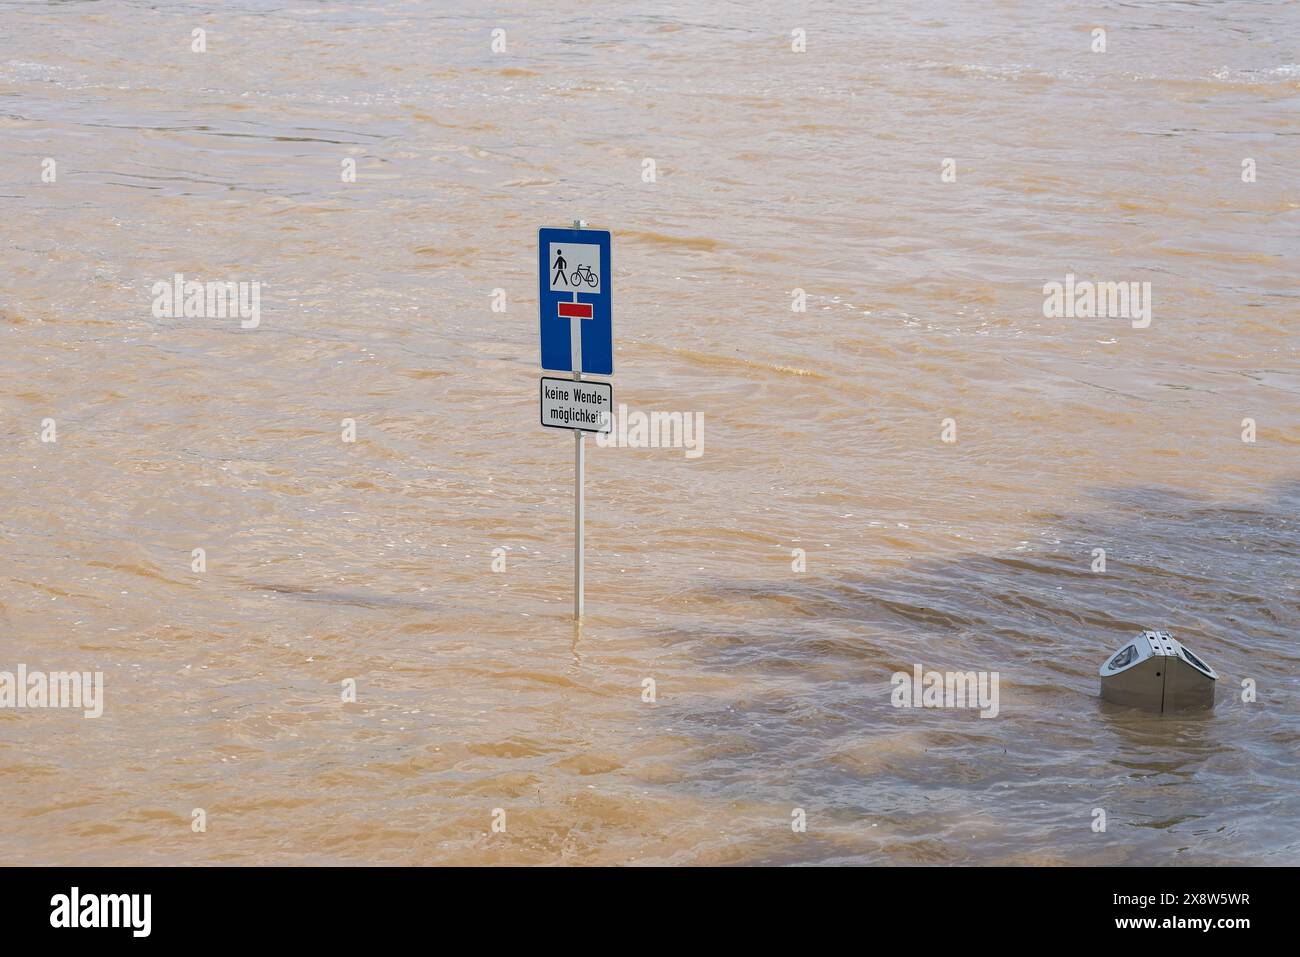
(575, 310)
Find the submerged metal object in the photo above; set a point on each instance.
(1154, 671)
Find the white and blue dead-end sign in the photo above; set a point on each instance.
(573, 271)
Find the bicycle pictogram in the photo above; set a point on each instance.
(584, 272)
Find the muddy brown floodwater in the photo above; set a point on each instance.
(779, 177)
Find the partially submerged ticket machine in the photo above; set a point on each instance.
(1154, 671)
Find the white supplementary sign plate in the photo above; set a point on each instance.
(569, 404)
(574, 267)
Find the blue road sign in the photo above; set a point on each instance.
(573, 276)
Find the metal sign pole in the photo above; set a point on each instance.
(579, 467)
